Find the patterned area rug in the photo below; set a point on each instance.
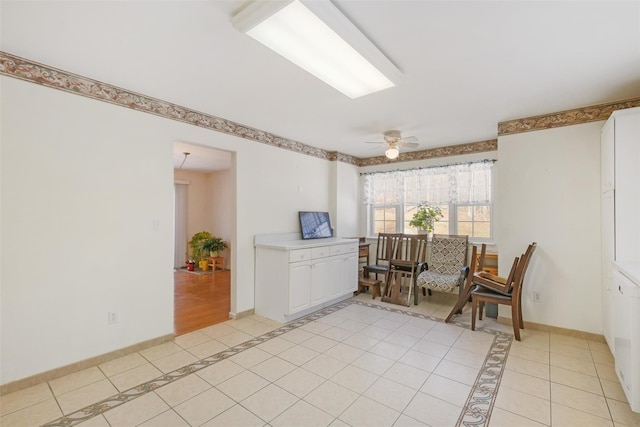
(476, 412)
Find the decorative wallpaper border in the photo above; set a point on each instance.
(14, 66)
(23, 69)
(432, 153)
(576, 116)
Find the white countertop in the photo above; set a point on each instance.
(630, 269)
(304, 244)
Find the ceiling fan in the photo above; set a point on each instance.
(394, 139)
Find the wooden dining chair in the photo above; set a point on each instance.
(386, 249)
(507, 293)
(404, 269)
(496, 283)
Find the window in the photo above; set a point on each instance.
(462, 191)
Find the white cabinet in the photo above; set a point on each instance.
(295, 278)
(627, 330)
(620, 203)
(608, 249)
(627, 184)
(620, 208)
(607, 139)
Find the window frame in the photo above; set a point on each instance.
(453, 213)
(453, 221)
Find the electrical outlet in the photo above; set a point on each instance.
(113, 317)
(536, 296)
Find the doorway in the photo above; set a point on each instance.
(204, 195)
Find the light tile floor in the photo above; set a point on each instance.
(355, 365)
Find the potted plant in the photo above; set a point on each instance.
(213, 245)
(425, 217)
(196, 252)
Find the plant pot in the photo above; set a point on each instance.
(191, 265)
(203, 264)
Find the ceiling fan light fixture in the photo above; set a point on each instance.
(317, 37)
(392, 153)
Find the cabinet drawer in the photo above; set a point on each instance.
(320, 252)
(344, 249)
(298, 255)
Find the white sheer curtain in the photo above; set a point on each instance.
(458, 183)
(180, 242)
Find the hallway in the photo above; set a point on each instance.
(200, 300)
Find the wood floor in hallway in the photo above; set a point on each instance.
(200, 300)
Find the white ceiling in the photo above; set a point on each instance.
(466, 65)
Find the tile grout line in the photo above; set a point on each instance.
(132, 393)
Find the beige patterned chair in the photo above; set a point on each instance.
(447, 267)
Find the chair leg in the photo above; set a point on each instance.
(481, 310)
(474, 303)
(520, 311)
(428, 291)
(515, 319)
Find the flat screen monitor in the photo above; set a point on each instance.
(315, 225)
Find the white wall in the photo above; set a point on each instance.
(83, 183)
(222, 203)
(346, 200)
(84, 186)
(199, 201)
(209, 203)
(548, 191)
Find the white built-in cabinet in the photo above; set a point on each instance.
(297, 277)
(620, 208)
(607, 207)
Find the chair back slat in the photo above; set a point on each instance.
(387, 248)
(516, 284)
(412, 248)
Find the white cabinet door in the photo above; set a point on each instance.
(607, 314)
(334, 285)
(608, 232)
(627, 177)
(627, 336)
(350, 274)
(607, 140)
(320, 276)
(299, 286)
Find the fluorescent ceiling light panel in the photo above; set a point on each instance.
(297, 32)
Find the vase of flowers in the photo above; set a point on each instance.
(425, 217)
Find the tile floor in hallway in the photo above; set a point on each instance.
(359, 363)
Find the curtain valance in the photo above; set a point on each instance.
(438, 185)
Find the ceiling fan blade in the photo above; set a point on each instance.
(375, 142)
(408, 139)
(408, 144)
